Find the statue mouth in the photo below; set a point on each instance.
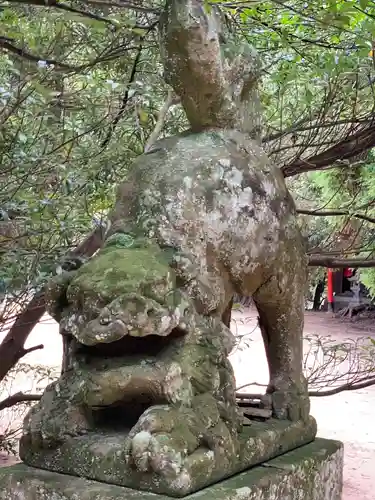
(133, 372)
(129, 315)
(131, 347)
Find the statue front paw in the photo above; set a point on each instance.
(160, 441)
(166, 439)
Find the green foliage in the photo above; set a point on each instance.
(61, 151)
(368, 279)
(81, 91)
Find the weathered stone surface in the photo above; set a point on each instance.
(215, 73)
(148, 350)
(312, 472)
(101, 457)
(146, 390)
(167, 400)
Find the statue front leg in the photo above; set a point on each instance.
(200, 413)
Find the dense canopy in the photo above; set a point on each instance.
(82, 94)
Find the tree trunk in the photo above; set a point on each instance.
(318, 295)
(227, 314)
(12, 348)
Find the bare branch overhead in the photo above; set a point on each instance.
(343, 151)
(329, 261)
(108, 3)
(333, 213)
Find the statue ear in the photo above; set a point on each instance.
(193, 63)
(216, 77)
(243, 70)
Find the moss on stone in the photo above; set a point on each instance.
(101, 456)
(312, 472)
(117, 270)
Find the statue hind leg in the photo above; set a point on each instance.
(280, 304)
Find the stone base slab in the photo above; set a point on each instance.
(100, 457)
(311, 472)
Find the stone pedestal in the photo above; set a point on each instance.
(311, 472)
(100, 457)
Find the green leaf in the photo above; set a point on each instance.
(139, 31)
(143, 116)
(41, 89)
(88, 21)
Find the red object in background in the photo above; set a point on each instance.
(348, 273)
(330, 289)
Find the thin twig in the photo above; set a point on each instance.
(17, 398)
(248, 385)
(170, 100)
(32, 349)
(333, 213)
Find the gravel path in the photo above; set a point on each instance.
(346, 416)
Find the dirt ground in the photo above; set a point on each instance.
(346, 416)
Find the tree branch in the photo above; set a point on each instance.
(83, 13)
(124, 5)
(63, 6)
(340, 153)
(12, 347)
(298, 127)
(171, 99)
(345, 387)
(17, 398)
(58, 5)
(125, 98)
(328, 261)
(350, 386)
(32, 349)
(6, 43)
(332, 213)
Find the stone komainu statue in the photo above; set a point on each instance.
(146, 397)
